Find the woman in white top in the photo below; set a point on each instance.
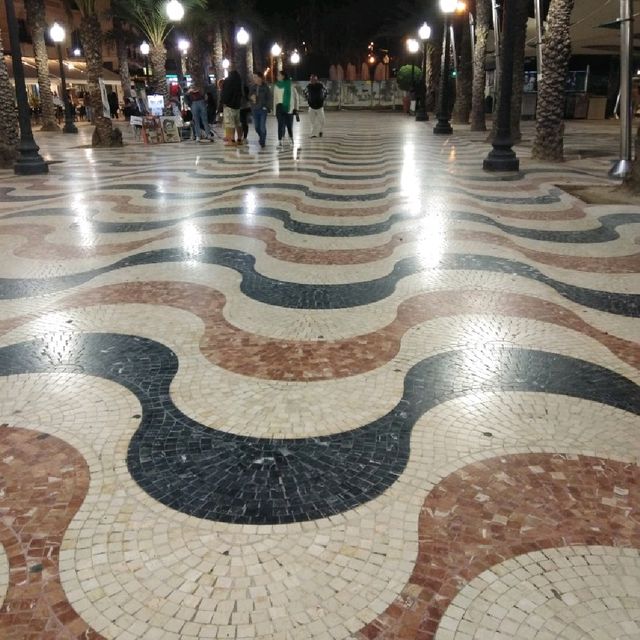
(286, 101)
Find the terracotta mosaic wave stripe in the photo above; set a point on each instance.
(503, 507)
(215, 475)
(37, 245)
(43, 482)
(257, 356)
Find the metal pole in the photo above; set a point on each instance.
(442, 125)
(537, 6)
(496, 45)
(454, 53)
(421, 113)
(69, 126)
(502, 157)
(29, 161)
(472, 31)
(622, 168)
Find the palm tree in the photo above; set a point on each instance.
(121, 37)
(483, 26)
(37, 21)
(8, 117)
(104, 135)
(151, 18)
(556, 43)
(464, 78)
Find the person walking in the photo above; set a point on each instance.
(231, 99)
(260, 98)
(245, 112)
(196, 101)
(316, 93)
(286, 99)
(113, 104)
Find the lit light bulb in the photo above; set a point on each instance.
(295, 57)
(175, 11)
(57, 33)
(424, 31)
(448, 6)
(145, 48)
(242, 37)
(276, 50)
(183, 45)
(412, 45)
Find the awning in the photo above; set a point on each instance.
(74, 71)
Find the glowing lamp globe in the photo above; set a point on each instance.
(57, 33)
(448, 6)
(276, 50)
(424, 31)
(295, 57)
(225, 64)
(175, 11)
(242, 37)
(145, 48)
(413, 45)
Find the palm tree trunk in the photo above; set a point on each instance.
(521, 11)
(195, 61)
(158, 58)
(483, 26)
(433, 75)
(249, 61)
(37, 24)
(464, 79)
(556, 43)
(123, 57)
(218, 51)
(104, 134)
(8, 117)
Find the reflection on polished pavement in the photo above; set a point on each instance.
(356, 389)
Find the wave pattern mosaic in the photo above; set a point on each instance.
(357, 389)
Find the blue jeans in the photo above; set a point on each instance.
(199, 111)
(260, 123)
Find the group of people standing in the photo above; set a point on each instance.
(238, 102)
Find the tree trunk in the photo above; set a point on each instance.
(158, 59)
(464, 79)
(8, 117)
(433, 75)
(249, 61)
(37, 24)
(521, 11)
(556, 43)
(123, 57)
(218, 52)
(483, 26)
(104, 134)
(195, 61)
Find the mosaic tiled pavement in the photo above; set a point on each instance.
(357, 389)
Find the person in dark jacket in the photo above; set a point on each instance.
(260, 98)
(315, 93)
(231, 99)
(113, 104)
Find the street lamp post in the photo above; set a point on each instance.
(183, 45)
(57, 35)
(421, 112)
(276, 50)
(144, 50)
(295, 61)
(442, 125)
(29, 161)
(412, 48)
(502, 157)
(242, 38)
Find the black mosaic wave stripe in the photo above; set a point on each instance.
(153, 192)
(218, 476)
(292, 295)
(605, 232)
